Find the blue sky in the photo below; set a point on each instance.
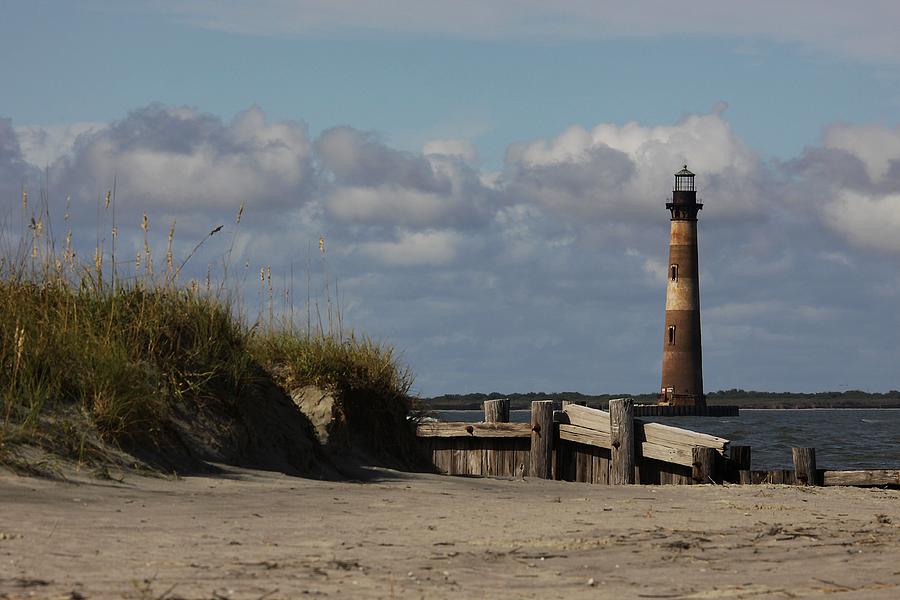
(488, 173)
(71, 62)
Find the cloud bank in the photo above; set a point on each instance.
(545, 275)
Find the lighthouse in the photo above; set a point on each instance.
(682, 362)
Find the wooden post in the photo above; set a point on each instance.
(740, 462)
(704, 468)
(805, 465)
(496, 411)
(541, 439)
(621, 430)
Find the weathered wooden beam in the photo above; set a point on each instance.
(805, 466)
(591, 418)
(666, 434)
(655, 433)
(705, 468)
(474, 430)
(496, 411)
(621, 433)
(670, 454)
(583, 435)
(678, 455)
(541, 439)
(862, 477)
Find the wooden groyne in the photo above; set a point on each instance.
(576, 443)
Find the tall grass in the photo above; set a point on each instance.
(87, 354)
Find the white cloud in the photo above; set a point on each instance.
(461, 148)
(416, 248)
(877, 147)
(371, 183)
(389, 205)
(627, 170)
(44, 145)
(867, 221)
(171, 155)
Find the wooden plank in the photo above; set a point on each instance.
(523, 461)
(603, 465)
(862, 477)
(680, 455)
(599, 466)
(657, 433)
(475, 456)
(488, 458)
(513, 461)
(474, 430)
(666, 434)
(460, 458)
(582, 464)
(670, 454)
(583, 435)
(590, 418)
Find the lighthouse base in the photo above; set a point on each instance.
(669, 398)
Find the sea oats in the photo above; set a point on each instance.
(20, 346)
(170, 262)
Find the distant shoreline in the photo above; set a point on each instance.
(741, 398)
(742, 408)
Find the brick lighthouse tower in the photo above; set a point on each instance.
(682, 363)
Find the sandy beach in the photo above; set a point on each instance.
(254, 534)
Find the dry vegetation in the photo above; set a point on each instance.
(101, 369)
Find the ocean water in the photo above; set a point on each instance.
(843, 438)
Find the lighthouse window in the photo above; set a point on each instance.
(671, 335)
(673, 272)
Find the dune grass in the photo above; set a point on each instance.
(90, 363)
(372, 389)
